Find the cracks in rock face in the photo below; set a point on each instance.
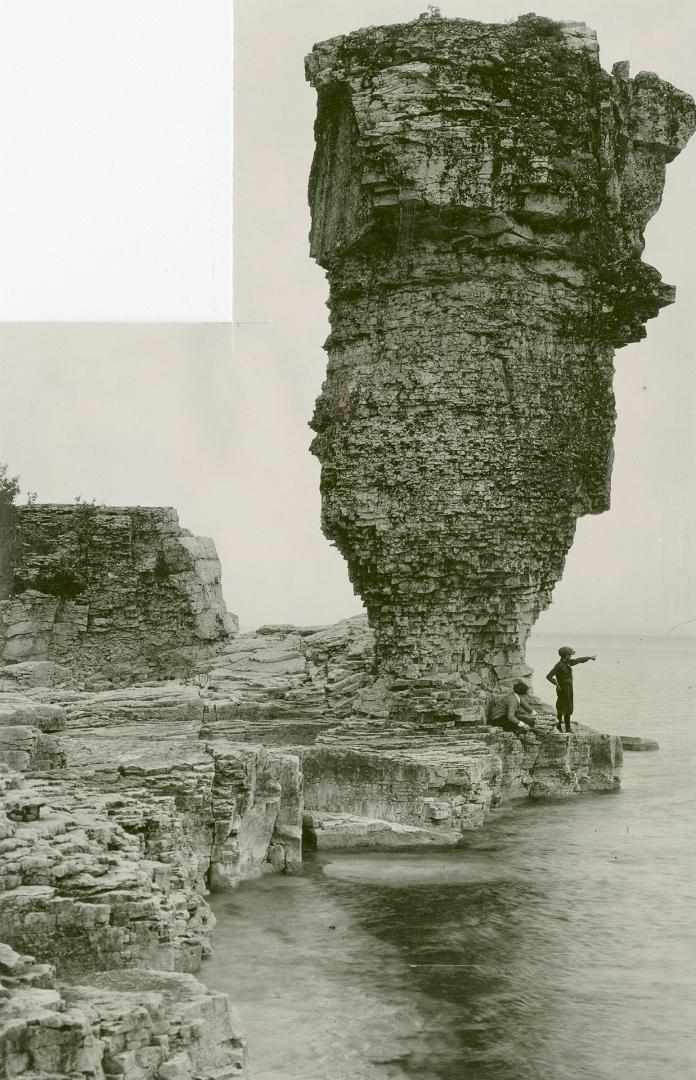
(407, 220)
(536, 759)
(507, 383)
(483, 265)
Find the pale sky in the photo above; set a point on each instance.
(116, 139)
(185, 415)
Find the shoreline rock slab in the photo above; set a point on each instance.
(634, 742)
(437, 782)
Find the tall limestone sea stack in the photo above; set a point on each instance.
(478, 196)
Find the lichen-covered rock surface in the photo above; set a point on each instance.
(479, 194)
(116, 595)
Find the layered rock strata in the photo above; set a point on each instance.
(371, 784)
(117, 595)
(108, 846)
(110, 841)
(91, 881)
(478, 196)
(223, 810)
(146, 1024)
(91, 884)
(286, 684)
(335, 751)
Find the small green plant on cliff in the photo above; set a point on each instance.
(66, 569)
(9, 485)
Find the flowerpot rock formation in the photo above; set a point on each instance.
(479, 195)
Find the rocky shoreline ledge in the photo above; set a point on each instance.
(483, 256)
(122, 808)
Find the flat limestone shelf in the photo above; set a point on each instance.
(366, 784)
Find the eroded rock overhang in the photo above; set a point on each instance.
(479, 194)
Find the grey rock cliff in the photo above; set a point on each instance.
(116, 594)
(478, 196)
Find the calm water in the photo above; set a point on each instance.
(558, 944)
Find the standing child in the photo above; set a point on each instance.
(562, 678)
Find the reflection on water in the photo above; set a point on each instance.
(557, 944)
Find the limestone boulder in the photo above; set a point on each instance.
(149, 1024)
